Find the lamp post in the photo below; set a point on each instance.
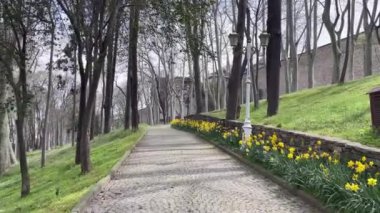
(264, 40)
(247, 127)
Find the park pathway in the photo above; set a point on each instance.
(174, 171)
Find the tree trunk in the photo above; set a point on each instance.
(111, 67)
(273, 56)
(205, 83)
(93, 121)
(74, 123)
(369, 26)
(5, 145)
(197, 81)
(220, 79)
(293, 46)
(47, 106)
(334, 43)
(352, 43)
(234, 82)
(82, 106)
(315, 42)
(25, 182)
(310, 65)
(22, 98)
(132, 64)
(127, 116)
(348, 42)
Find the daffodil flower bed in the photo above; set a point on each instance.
(344, 185)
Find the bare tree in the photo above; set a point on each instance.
(311, 16)
(292, 44)
(335, 35)
(111, 68)
(78, 13)
(369, 26)
(18, 16)
(132, 63)
(234, 82)
(51, 20)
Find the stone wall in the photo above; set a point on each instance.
(301, 140)
(323, 66)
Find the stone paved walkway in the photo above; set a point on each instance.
(173, 171)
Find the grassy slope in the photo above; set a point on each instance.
(339, 110)
(62, 174)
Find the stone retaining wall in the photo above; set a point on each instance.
(301, 140)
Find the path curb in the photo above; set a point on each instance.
(97, 187)
(267, 174)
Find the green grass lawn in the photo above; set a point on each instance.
(63, 176)
(340, 111)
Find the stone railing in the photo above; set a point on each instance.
(301, 140)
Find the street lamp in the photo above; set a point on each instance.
(234, 38)
(264, 39)
(247, 127)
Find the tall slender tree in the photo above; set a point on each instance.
(97, 32)
(234, 82)
(19, 17)
(273, 56)
(111, 68)
(132, 62)
(52, 27)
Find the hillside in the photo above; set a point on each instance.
(59, 186)
(340, 111)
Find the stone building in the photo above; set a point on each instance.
(323, 66)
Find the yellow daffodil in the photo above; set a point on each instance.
(290, 155)
(359, 168)
(352, 187)
(281, 145)
(355, 177)
(305, 156)
(364, 159)
(350, 164)
(371, 182)
(292, 149)
(371, 163)
(325, 155)
(335, 161)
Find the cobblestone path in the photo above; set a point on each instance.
(173, 171)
